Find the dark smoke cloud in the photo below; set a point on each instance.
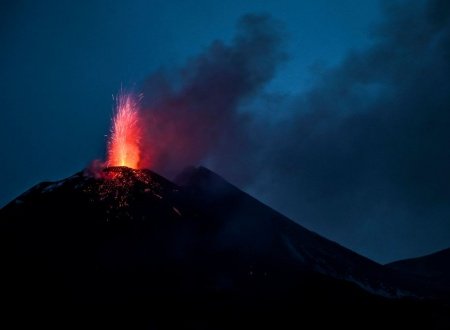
(366, 157)
(194, 112)
(363, 157)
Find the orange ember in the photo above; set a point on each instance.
(126, 132)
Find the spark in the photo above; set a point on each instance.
(126, 133)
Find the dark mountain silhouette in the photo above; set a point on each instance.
(135, 250)
(433, 270)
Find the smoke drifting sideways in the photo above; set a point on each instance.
(362, 157)
(192, 114)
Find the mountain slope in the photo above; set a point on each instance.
(198, 248)
(251, 222)
(433, 269)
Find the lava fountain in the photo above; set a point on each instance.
(126, 133)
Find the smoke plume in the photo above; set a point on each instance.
(362, 157)
(193, 113)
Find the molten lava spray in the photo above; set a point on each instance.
(126, 133)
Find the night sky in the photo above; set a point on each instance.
(336, 113)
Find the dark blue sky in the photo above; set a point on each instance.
(347, 152)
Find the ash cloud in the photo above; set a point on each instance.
(365, 155)
(362, 157)
(194, 112)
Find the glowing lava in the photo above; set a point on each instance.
(126, 133)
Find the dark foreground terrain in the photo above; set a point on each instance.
(123, 248)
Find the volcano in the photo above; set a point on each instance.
(130, 247)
